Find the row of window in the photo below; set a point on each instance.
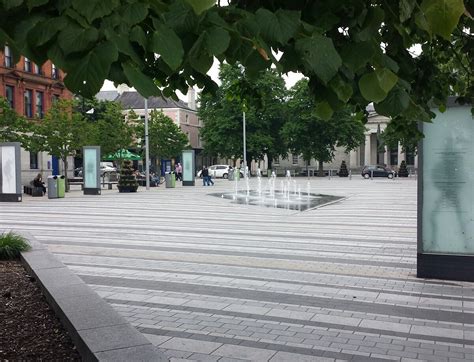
(29, 66)
(30, 98)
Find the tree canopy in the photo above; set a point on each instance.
(352, 51)
(307, 134)
(263, 100)
(165, 138)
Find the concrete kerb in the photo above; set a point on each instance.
(97, 330)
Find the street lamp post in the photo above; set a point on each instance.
(147, 148)
(245, 146)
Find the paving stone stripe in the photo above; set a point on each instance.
(430, 287)
(263, 346)
(330, 323)
(426, 298)
(249, 254)
(284, 298)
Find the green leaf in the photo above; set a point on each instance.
(342, 89)
(372, 24)
(134, 13)
(44, 31)
(386, 78)
(198, 57)
(323, 110)
(94, 9)
(89, 72)
(35, 3)
(166, 43)
(144, 84)
(137, 35)
(217, 40)
(279, 26)
(319, 56)
(395, 103)
(406, 9)
(200, 6)
(74, 38)
(442, 15)
(10, 4)
(356, 55)
(370, 88)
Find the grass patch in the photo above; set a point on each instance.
(11, 245)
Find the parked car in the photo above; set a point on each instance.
(219, 171)
(377, 171)
(106, 168)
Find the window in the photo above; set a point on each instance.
(187, 119)
(27, 65)
(34, 160)
(394, 157)
(55, 98)
(39, 104)
(295, 159)
(410, 156)
(8, 57)
(36, 69)
(276, 161)
(54, 72)
(29, 103)
(9, 94)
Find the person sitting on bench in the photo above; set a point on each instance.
(38, 182)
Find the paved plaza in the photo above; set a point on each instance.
(207, 280)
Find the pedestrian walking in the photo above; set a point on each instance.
(179, 172)
(206, 179)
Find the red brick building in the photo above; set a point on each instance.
(30, 90)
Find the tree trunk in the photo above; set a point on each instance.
(307, 168)
(65, 173)
(321, 170)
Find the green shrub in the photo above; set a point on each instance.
(11, 245)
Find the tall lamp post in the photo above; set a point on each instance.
(245, 145)
(147, 148)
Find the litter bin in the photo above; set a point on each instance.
(269, 172)
(170, 180)
(61, 186)
(52, 187)
(237, 174)
(230, 176)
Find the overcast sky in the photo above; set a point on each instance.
(290, 79)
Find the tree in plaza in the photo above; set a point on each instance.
(12, 125)
(353, 52)
(114, 131)
(61, 133)
(314, 137)
(166, 139)
(262, 97)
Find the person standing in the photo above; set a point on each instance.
(179, 172)
(205, 175)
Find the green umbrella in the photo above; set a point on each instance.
(122, 154)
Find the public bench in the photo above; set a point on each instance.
(33, 190)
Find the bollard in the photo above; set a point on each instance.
(350, 174)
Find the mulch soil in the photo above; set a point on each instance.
(29, 329)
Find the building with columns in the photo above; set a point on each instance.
(30, 89)
(371, 153)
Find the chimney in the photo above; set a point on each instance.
(191, 98)
(122, 88)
